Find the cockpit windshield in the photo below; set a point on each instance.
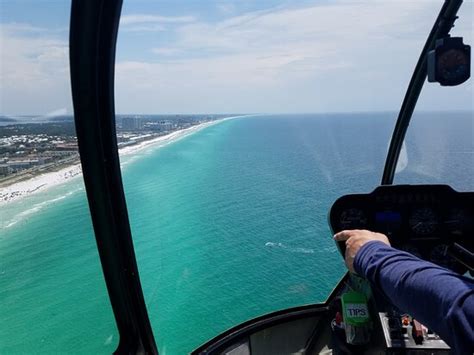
(439, 146)
(238, 125)
(230, 223)
(53, 297)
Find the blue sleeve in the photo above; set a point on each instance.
(439, 298)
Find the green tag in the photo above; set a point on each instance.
(354, 308)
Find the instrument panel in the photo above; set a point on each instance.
(420, 219)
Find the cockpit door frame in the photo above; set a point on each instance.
(92, 43)
(441, 28)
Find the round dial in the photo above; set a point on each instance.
(459, 221)
(352, 218)
(452, 64)
(423, 221)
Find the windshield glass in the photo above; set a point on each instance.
(439, 145)
(53, 297)
(239, 125)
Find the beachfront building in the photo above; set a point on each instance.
(165, 126)
(17, 165)
(4, 169)
(132, 123)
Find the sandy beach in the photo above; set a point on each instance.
(44, 181)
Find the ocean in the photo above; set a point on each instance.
(229, 223)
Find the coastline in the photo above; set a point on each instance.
(46, 180)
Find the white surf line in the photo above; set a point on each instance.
(44, 181)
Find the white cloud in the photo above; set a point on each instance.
(150, 23)
(34, 72)
(226, 8)
(144, 18)
(144, 28)
(166, 51)
(307, 29)
(26, 28)
(336, 57)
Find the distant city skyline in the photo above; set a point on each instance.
(243, 56)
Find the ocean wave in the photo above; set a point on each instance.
(36, 208)
(289, 248)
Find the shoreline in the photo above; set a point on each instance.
(41, 182)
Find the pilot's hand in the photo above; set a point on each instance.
(355, 239)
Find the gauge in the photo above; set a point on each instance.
(450, 62)
(423, 221)
(353, 218)
(459, 221)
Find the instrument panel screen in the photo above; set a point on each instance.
(388, 217)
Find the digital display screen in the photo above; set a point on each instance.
(388, 217)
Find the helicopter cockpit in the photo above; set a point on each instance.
(432, 221)
(424, 213)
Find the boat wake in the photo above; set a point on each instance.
(289, 248)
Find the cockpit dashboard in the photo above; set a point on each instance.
(432, 222)
(424, 220)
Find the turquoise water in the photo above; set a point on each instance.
(228, 223)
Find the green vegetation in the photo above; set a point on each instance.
(65, 129)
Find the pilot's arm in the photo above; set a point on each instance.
(439, 298)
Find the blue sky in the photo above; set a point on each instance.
(233, 56)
